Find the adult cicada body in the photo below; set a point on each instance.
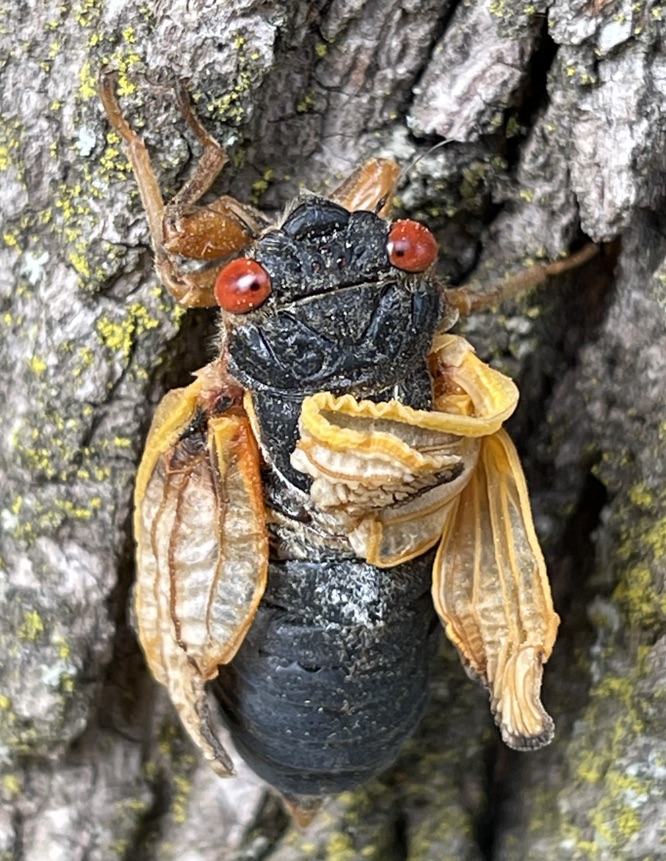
(335, 480)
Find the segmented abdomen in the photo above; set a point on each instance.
(332, 677)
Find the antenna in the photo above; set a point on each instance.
(403, 173)
(381, 203)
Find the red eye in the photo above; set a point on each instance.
(242, 286)
(411, 246)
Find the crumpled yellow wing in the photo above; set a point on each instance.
(491, 591)
(384, 474)
(202, 547)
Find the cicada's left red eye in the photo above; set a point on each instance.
(411, 246)
(242, 286)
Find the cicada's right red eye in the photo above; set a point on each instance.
(411, 246)
(242, 286)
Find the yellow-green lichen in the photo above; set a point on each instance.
(123, 63)
(113, 161)
(74, 219)
(181, 789)
(641, 496)
(122, 58)
(442, 831)
(231, 106)
(306, 104)
(63, 647)
(642, 553)
(85, 359)
(473, 180)
(260, 186)
(55, 48)
(87, 81)
(53, 450)
(74, 511)
(37, 365)
(167, 739)
(11, 132)
(581, 74)
(32, 627)
(599, 753)
(119, 336)
(341, 848)
(66, 683)
(11, 787)
(513, 127)
(87, 12)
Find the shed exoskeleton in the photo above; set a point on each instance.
(331, 483)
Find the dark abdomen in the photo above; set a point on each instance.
(332, 677)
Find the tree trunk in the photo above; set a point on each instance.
(557, 126)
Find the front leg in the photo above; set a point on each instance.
(183, 227)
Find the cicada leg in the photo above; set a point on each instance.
(183, 227)
(371, 186)
(467, 301)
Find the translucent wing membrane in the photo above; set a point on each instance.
(492, 594)
(202, 549)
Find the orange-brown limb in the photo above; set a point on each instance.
(467, 301)
(302, 808)
(181, 228)
(371, 187)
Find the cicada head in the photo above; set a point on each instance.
(331, 299)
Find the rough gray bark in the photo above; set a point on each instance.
(558, 126)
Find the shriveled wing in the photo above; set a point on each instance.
(202, 550)
(491, 591)
(384, 474)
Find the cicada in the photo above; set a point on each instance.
(335, 481)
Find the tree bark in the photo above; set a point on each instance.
(556, 117)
